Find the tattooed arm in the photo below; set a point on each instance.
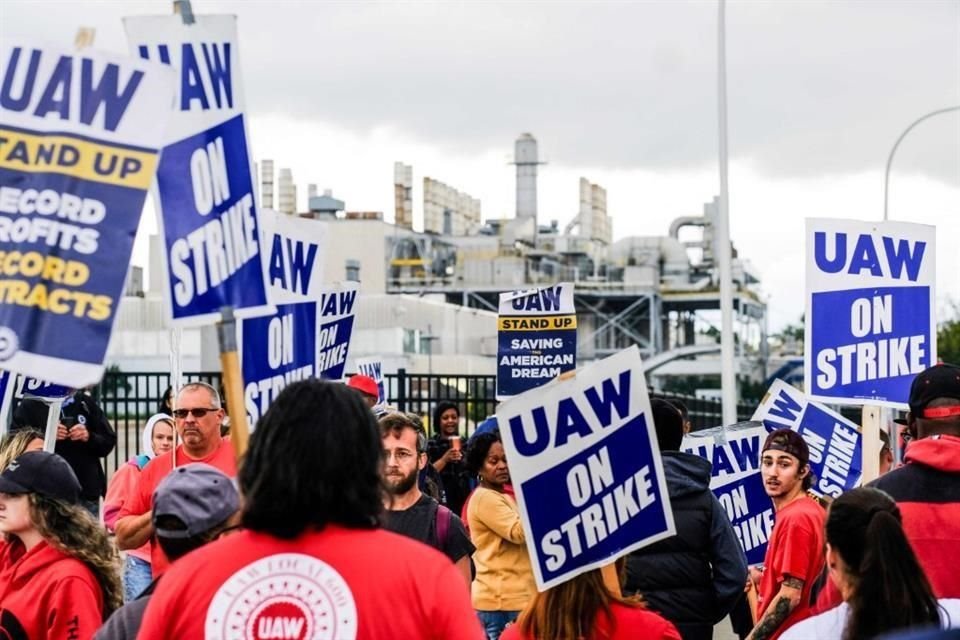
(784, 602)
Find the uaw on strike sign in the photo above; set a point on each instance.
(209, 219)
(309, 334)
(536, 337)
(586, 466)
(79, 137)
(871, 325)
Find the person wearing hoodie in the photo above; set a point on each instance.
(156, 439)
(58, 569)
(927, 486)
(694, 578)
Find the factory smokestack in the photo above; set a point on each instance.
(526, 158)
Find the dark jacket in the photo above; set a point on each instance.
(927, 490)
(124, 623)
(695, 577)
(84, 457)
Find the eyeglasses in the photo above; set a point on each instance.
(198, 412)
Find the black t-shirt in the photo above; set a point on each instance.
(420, 523)
(455, 478)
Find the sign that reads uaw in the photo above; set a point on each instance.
(208, 216)
(309, 334)
(537, 338)
(870, 310)
(373, 367)
(586, 466)
(79, 139)
(835, 443)
(734, 454)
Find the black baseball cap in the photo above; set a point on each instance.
(200, 495)
(43, 473)
(939, 381)
(788, 441)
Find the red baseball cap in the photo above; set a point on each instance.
(364, 384)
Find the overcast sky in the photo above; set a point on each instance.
(621, 93)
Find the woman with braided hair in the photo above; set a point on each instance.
(58, 570)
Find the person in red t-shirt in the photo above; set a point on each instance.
(584, 608)
(313, 561)
(198, 416)
(58, 574)
(794, 556)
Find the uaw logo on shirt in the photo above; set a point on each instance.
(287, 596)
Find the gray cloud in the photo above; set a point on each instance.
(814, 87)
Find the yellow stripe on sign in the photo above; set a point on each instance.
(76, 157)
(536, 323)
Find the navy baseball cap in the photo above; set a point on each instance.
(43, 473)
(200, 495)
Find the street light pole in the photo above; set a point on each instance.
(886, 175)
(728, 377)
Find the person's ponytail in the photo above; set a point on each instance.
(890, 590)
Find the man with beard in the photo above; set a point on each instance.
(794, 556)
(408, 511)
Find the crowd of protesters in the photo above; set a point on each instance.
(342, 523)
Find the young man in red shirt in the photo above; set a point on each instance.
(198, 415)
(794, 556)
(313, 561)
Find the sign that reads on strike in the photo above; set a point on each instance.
(586, 466)
(734, 454)
(79, 139)
(537, 337)
(309, 334)
(835, 443)
(871, 323)
(209, 219)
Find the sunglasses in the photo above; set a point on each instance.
(199, 412)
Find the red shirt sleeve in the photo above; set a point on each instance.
(797, 546)
(138, 501)
(75, 610)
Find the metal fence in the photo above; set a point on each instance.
(129, 399)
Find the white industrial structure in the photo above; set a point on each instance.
(403, 195)
(440, 286)
(286, 193)
(266, 184)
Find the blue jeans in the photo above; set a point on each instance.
(494, 622)
(136, 577)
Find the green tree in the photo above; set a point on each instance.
(948, 337)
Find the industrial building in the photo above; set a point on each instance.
(429, 297)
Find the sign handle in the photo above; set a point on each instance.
(53, 419)
(870, 424)
(233, 382)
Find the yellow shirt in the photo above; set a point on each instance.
(504, 580)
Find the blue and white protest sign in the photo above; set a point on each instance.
(208, 216)
(537, 338)
(586, 467)
(28, 387)
(6, 399)
(734, 454)
(871, 322)
(373, 367)
(79, 141)
(309, 334)
(835, 443)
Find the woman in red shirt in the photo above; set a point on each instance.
(583, 608)
(58, 570)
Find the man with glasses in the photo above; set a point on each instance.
(408, 511)
(198, 416)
